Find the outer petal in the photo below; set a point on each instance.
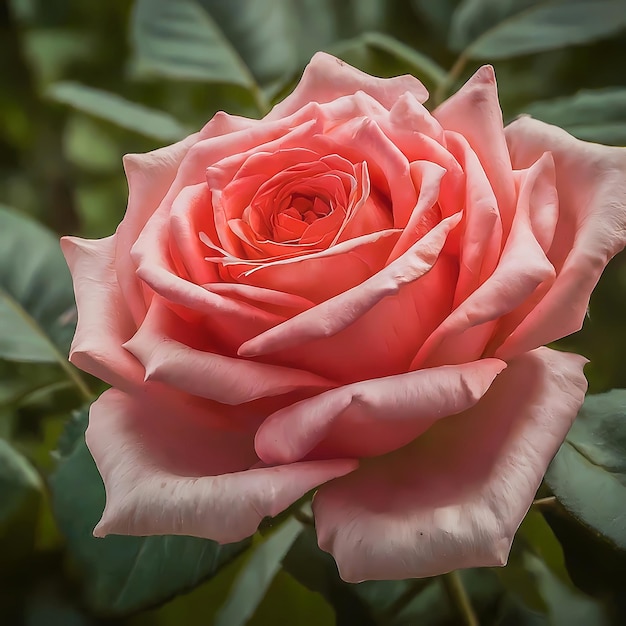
(168, 470)
(326, 78)
(455, 497)
(591, 229)
(374, 416)
(104, 321)
(205, 373)
(149, 177)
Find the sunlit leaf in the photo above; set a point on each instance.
(289, 602)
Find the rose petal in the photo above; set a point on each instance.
(335, 314)
(591, 229)
(149, 177)
(482, 240)
(455, 497)
(166, 472)
(373, 417)
(327, 78)
(104, 321)
(319, 275)
(474, 112)
(207, 374)
(522, 267)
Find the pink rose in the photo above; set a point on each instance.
(349, 295)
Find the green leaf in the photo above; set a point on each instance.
(500, 29)
(588, 474)
(20, 497)
(565, 606)
(123, 574)
(379, 54)
(115, 109)
(180, 40)
(436, 14)
(257, 576)
(36, 296)
(598, 115)
(18, 483)
(289, 602)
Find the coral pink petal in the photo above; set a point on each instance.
(591, 228)
(320, 275)
(373, 417)
(327, 78)
(522, 267)
(334, 315)
(455, 497)
(104, 321)
(474, 112)
(481, 242)
(168, 472)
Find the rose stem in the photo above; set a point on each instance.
(458, 596)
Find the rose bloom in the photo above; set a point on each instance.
(349, 295)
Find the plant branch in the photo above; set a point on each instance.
(458, 596)
(544, 503)
(451, 77)
(414, 587)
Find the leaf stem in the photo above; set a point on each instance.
(261, 102)
(542, 503)
(414, 587)
(460, 599)
(451, 77)
(303, 517)
(74, 375)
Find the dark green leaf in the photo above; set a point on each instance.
(18, 482)
(436, 14)
(598, 115)
(260, 33)
(123, 574)
(565, 607)
(500, 29)
(588, 474)
(242, 42)
(180, 40)
(36, 296)
(20, 497)
(256, 577)
(117, 110)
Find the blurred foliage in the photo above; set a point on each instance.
(82, 84)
